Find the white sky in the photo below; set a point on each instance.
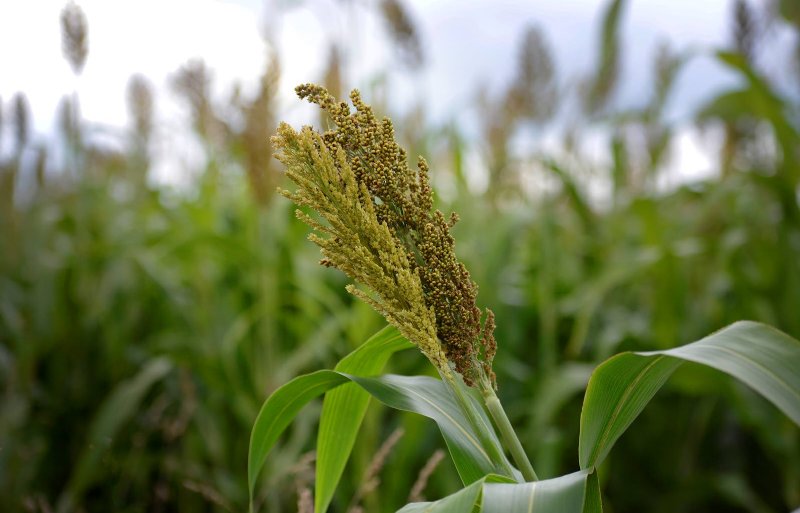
(465, 40)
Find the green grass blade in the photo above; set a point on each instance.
(606, 75)
(620, 388)
(344, 408)
(592, 498)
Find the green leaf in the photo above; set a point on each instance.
(561, 494)
(760, 356)
(759, 99)
(424, 395)
(431, 398)
(278, 412)
(728, 106)
(618, 391)
(572, 493)
(465, 500)
(344, 408)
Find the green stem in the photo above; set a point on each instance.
(507, 433)
(495, 452)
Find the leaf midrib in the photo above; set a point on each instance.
(777, 379)
(618, 408)
(531, 498)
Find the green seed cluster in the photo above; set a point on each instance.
(383, 232)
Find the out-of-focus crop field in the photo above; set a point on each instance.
(143, 324)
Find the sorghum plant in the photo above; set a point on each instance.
(374, 220)
(382, 232)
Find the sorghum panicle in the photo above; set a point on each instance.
(382, 231)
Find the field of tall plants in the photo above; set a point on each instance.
(143, 324)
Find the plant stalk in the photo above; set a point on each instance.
(495, 452)
(507, 433)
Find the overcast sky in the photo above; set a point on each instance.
(466, 41)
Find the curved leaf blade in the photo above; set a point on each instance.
(758, 355)
(419, 394)
(431, 398)
(277, 413)
(344, 408)
(618, 391)
(466, 500)
(565, 494)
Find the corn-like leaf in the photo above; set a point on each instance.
(344, 408)
(760, 356)
(572, 493)
(424, 395)
(592, 499)
(430, 397)
(278, 412)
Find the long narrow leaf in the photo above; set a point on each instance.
(344, 408)
(618, 391)
(431, 398)
(278, 412)
(761, 357)
(423, 395)
(593, 499)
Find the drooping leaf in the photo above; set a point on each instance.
(424, 395)
(757, 100)
(431, 398)
(760, 356)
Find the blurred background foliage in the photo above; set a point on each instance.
(142, 324)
